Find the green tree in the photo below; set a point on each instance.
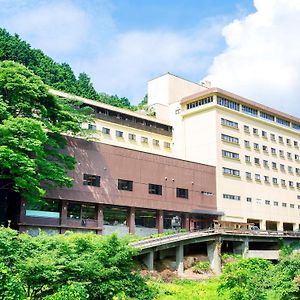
(31, 125)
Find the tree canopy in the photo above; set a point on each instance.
(32, 122)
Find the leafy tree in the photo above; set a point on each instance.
(31, 125)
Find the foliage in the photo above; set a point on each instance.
(201, 266)
(58, 76)
(86, 266)
(31, 125)
(246, 279)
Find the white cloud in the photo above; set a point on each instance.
(133, 58)
(56, 28)
(262, 58)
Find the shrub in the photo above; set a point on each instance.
(201, 267)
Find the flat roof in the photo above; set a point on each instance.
(107, 106)
(242, 100)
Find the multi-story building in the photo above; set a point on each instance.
(206, 154)
(255, 150)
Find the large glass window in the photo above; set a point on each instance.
(43, 209)
(145, 218)
(74, 211)
(115, 216)
(80, 211)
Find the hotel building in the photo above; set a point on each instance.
(206, 154)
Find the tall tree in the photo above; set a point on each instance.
(32, 122)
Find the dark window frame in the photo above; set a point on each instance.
(125, 185)
(182, 193)
(155, 189)
(91, 180)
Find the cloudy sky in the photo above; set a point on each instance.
(249, 47)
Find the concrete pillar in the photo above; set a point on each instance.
(160, 221)
(100, 218)
(63, 215)
(131, 219)
(263, 225)
(214, 256)
(280, 226)
(241, 248)
(148, 260)
(186, 222)
(179, 258)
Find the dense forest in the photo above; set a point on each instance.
(55, 75)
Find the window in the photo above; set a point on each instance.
(296, 126)
(288, 142)
(200, 102)
(249, 199)
(182, 193)
(229, 139)
(298, 185)
(275, 180)
(273, 151)
(155, 189)
(144, 139)
(267, 179)
(264, 134)
(247, 159)
(275, 203)
(291, 184)
(297, 170)
(274, 165)
(289, 155)
(296, 157)
(92, 180)
(231, 172)
(257, 177)
(290, 169)
(255, 131)
(272, 136)
(292, 206)
(267, 116)
(229, 154)
(155, 142)
(267, 202)
(283, 182)
(247, 144)
(248, 110)
(282, 122)
(296, 144)
(248, 175)
(283, 204)
(92, 127)
(167, 145)
(105, 130)
(81, 211)
(132, 137)
(228, 103)
(43, 209)
(281, 153)
(229, 123)
(119, 134)
(280, 139)
(282, 168)
(231, 197)
(246, 129)
(265, 148)
(298, 197)
(255, 146)
(256, 161)
(125, 185)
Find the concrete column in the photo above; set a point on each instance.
(263, 225)
(214, 256)
(160, 221)
(63, 215)
(241, 248)
(186, 222)
(131, 219)
(179, 258)
(148, 260)
(280, 226)
(100, 218)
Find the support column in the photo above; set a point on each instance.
(131, 219)
(279, 226)
(148, 260)
(186, 222)
(214, 256)
(179, 259)
(100, 219)
(241, 248)
(63, 215)
(160, 221)
(263, 225)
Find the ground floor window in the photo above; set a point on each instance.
(168, 216)
(145, 218)
(43, 209)
(80, 211)
(115, 216)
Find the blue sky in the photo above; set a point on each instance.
(245, 46)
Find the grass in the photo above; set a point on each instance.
(182, 289)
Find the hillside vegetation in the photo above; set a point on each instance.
(55, 75)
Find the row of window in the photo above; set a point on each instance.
(267, 202)
(264, 134)
(131, 136)
(258, 177)
(200, 102)
(127, 185)
(256, 113)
